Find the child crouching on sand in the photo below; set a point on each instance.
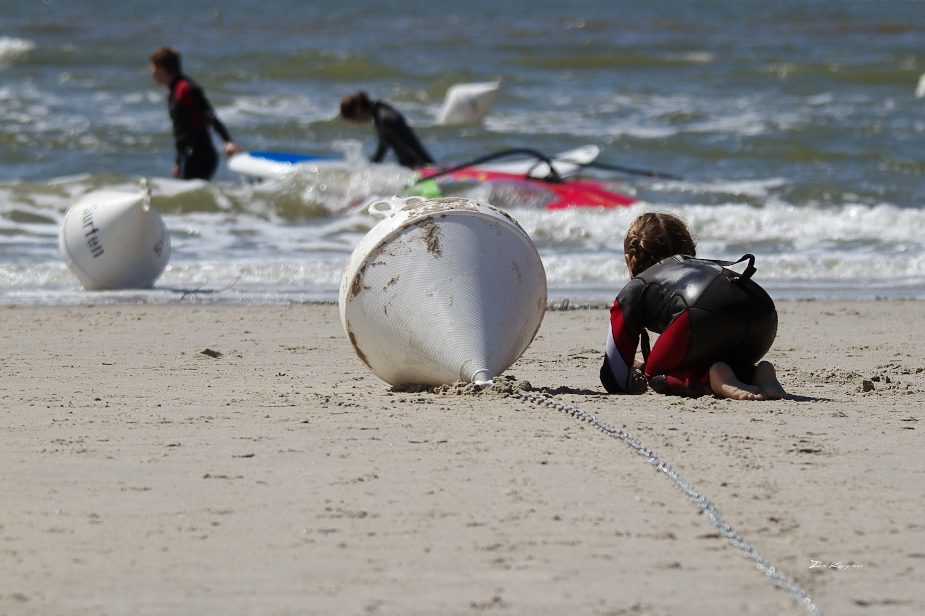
(714, 324)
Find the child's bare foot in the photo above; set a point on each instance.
(766, 381)
(724, 383)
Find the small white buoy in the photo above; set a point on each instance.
(468, 103)
(442, 290)
(114, 239)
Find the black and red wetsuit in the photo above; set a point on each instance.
(704, 314)
(192, 114)
(395, 133)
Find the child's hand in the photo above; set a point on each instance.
(640, 383)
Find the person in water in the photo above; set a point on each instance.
(192, 115)
(714, 324)
(394, 133)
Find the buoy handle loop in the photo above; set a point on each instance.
(144, 186)
(482, 378)
(382, 209)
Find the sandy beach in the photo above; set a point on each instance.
(275, 474)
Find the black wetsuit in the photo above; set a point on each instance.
(705, 314)
(395, 133)
(192, 114)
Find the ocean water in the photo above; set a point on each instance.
(794, 125)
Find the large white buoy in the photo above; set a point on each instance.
(442, 290)
(468, 103)
(114, 239)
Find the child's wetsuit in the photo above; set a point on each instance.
(192, 114)
(395, 133)
(705, 314)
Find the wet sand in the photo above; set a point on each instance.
(276, 475)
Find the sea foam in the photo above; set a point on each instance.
(12, 48)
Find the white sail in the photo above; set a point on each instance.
(468, 103)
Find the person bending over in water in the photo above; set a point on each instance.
(714, 324)
(394, 133)
(191, 114)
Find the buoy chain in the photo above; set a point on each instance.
(706, 507)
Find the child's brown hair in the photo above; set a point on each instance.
(166, 58)
(356, 106)
(653, 237)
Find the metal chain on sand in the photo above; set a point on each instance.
(703, 504)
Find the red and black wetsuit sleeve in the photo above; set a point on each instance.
(192, 114)
(623, 338)
(646, 304)
(394, 133)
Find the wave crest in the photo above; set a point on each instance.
(12, 48)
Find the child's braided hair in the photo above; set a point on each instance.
(653, 237)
